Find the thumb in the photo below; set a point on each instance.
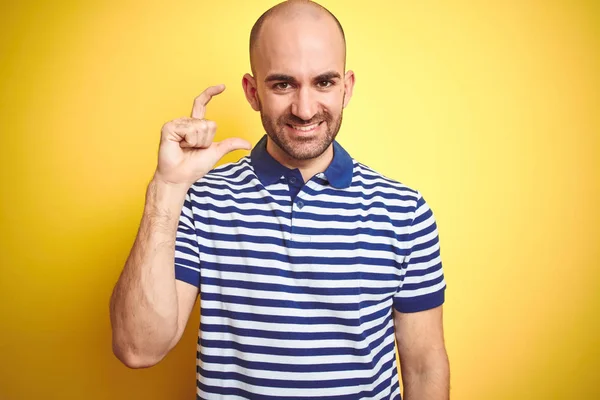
(231, 144)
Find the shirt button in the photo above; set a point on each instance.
(300, 203)
(292, 180)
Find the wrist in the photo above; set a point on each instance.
(166, 185)
(165, 196)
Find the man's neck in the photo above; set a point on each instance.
(308, 168)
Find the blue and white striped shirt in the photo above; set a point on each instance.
(298, 280)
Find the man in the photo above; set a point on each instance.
(308, 263)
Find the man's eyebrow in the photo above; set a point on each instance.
(279, 77)
(327, 76)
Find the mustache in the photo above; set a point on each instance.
(292, 119)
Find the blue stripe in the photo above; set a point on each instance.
(191, 250)
(285, 383)
(187, 275)
(425, 258)
(278, 228)
(283, 351)
(300, 289)
(302, 305)
(272, 256)
(293, 335)
(420, 303)
(314, 275)
(297, 368)
(246, 200)
(420, 285)
(285, 214)
(285, 320)
(423, 272)
(426, 245)
(186, 262)
(279, 241)
(234, 391)
(359, 194)
(228, 174)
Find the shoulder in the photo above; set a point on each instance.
(232, 174)
(374, 183)
(226, 181)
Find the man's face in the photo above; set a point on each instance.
(301, 88)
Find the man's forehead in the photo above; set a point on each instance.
(299, 49)
(305, 65)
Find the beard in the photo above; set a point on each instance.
(301, 148)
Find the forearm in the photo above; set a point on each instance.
(144, 306)
(430, 383)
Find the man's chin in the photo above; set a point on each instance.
(302, 146)
(304, 151)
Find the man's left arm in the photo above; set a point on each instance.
(423, 359)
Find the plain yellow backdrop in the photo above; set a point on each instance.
(490, 109)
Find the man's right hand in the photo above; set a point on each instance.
(187, 151)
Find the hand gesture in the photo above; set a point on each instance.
(187, 151)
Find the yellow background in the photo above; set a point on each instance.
(490, 109)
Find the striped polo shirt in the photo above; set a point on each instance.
(298, 280)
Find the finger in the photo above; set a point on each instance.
(194, 134)
(185, 134)
(211, 129)
(228, 145)
(189, 140)
(200, 102)
(191, 136)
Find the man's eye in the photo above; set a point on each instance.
(325, 84)
(282, 85)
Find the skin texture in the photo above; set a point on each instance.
(299, 79)
(423, 359)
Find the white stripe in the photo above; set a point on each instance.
(294, 312)
(302, 360)
(298, 282)
(261, 232)
(300, 376)
(405, 294)
(289, 391)
(424, 265)
(276, 264)
(284, 296)
(295, 252)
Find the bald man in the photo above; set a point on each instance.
(309, 265)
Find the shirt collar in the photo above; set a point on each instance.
(338, 173)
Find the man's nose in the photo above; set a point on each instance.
(304, 105)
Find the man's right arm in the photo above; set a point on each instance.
(149, 308)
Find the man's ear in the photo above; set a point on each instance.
(349, 79)
(250, 90)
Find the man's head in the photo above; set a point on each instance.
(300, 87)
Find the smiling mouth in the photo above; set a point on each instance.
(305, 128)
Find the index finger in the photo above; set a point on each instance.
(200, 102)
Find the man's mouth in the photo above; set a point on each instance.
(305, 128)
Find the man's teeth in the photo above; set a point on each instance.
(305, 128)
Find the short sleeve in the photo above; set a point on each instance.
(187, 255)
(423, 285)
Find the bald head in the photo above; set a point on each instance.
(283, 14)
